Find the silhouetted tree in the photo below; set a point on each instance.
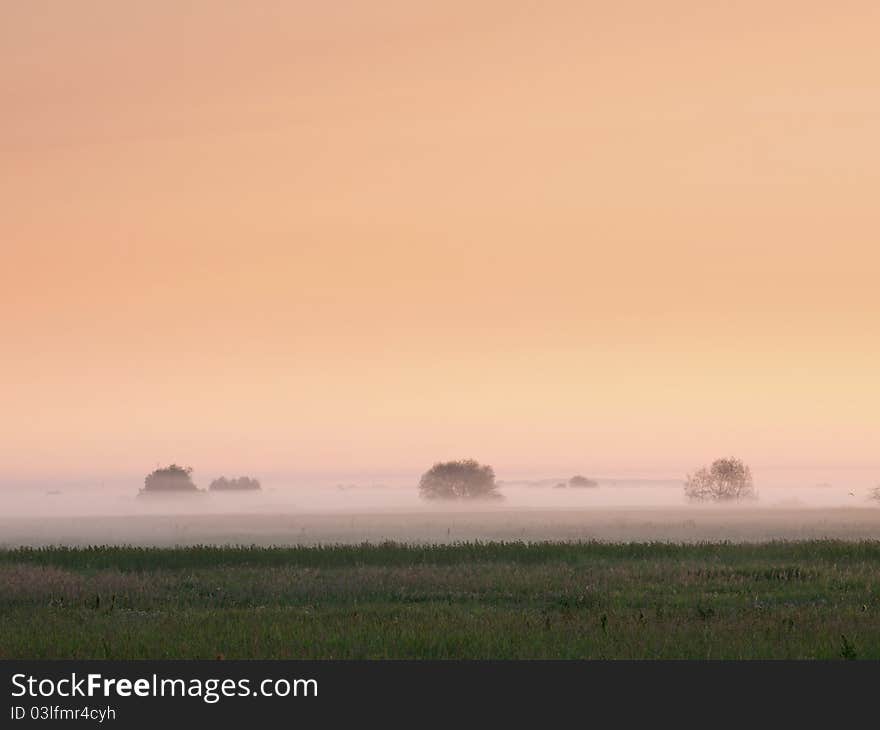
(172, 478)
(581, 481)
(726, 480)
(231, 485)
(465, 479)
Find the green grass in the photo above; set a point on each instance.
(816, 599)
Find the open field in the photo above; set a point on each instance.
(812, 599)
(444, 525)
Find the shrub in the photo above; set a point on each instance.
(172, 478)
(465, 479)
(241, 484)
(581, 481)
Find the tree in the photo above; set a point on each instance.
(237, 484)
(465, 479)
(580, 481)
(727, 480)
(172, 478)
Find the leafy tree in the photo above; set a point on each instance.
(231, 485)
(464, 479)
(727, 480)
(172, 478)
(581, 481)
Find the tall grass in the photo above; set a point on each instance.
(470, 600)
(132, 558)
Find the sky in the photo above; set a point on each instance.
(362, 236)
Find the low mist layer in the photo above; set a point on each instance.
(282, 512)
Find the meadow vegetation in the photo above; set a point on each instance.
(814, 599)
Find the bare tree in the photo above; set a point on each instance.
(727, 480)
(464, 479)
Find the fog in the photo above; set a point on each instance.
(790, 505)
(397, 494)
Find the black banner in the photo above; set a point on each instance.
(143, 693)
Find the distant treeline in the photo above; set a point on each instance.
(228, 485)
(178, 479)
(725, 480)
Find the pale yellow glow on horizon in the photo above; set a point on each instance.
(362, 235)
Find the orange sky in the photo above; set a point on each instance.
(299, 236)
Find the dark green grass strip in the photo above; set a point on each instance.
(129, 558)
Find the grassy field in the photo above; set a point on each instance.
(815, 599)
(443, 524)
